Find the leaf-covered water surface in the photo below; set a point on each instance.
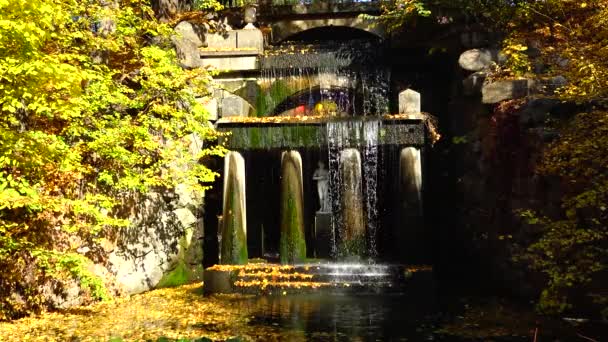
(174, 313)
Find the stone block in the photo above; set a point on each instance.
(513, 89)
(504, 90)
(190, 32)
(409, 102)
(234, 106)
(250, 39)
(479, 59)
(237, 63)
(548, 85)
(536, 111)
(221, 41)
(217, 281)
(187, 40)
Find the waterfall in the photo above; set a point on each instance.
(371, 131)
(345, 74)
(334, 148)
(356, 177)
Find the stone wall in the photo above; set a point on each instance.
(494, 134)
(163, 247)
(164, 244)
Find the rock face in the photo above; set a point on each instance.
(292, 241)
(187, 40)
(352, 195)
(234, 223)
(162, 247)
(504, 90)
(480, 59)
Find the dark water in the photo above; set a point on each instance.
(348, 317)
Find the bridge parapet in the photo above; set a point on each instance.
(268, 9)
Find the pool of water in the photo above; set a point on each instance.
(348, 317)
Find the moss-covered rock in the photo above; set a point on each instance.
(188, 268)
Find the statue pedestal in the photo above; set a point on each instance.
(323, 236)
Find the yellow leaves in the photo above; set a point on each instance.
(511, 49)
(173, 312)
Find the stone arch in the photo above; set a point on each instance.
(347, 101)
(283, 29)
(279, 92)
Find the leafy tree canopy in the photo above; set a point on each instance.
(93, 109)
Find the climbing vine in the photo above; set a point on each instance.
(93, 109)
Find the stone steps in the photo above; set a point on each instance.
(272, 278)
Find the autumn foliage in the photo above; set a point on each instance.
(568, 38)
(543, 39)
(94, 108)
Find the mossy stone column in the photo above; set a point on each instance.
(409, 238)
(410, 179)
(353, 234)
(292, 242)
(234, 224)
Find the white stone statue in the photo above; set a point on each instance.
(321, 175)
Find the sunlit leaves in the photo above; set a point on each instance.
(572, 249)
(175, 313)
(90, 111)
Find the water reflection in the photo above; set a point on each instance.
(323, 317)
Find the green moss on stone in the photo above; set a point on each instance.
(182, 274)
(268, 99)
(292, 245)
(234, 238)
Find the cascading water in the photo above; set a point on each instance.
(344, 86)
(345, 140)
(371, 131)
(295, 77)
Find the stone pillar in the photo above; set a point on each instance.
(409, 102)
(352, 201)
(409, 241)
(410, 180)
(293, 242)
(234, 223)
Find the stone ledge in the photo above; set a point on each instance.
(234, 63)
(513, 89)
(227, 53)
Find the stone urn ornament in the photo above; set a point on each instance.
(250, 14)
